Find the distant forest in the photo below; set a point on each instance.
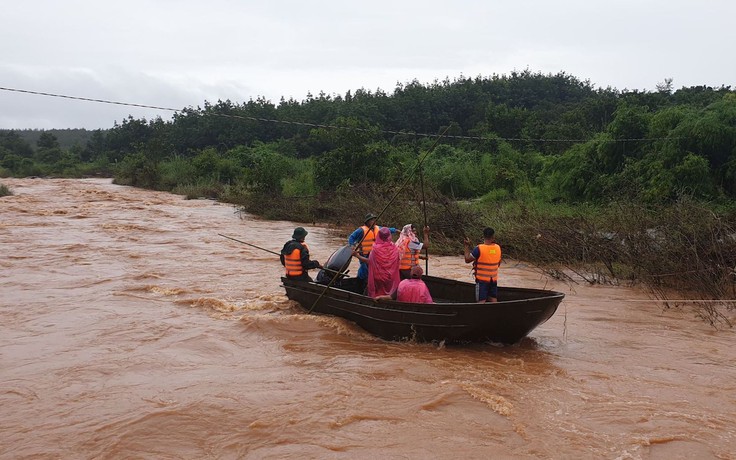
(66, 138)
(546, 137)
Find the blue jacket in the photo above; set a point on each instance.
(353, 239)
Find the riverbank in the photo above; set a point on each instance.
(686, 250)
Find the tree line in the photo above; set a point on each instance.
(552, 136)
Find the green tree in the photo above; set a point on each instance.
(263, 167)
(575, 175)
(357, 153)
(693, 176)
(138, 170)
(96, 146)
(47, 140)
(49, 151)
(630, 124)
(14, 144)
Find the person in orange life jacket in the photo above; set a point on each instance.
(409, 249)
(295, 256)
(370, 231)
(486, 258)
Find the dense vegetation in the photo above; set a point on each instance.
(516, 149)
(66, 138)
(4, 190)
(550, 135)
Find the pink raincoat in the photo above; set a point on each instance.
(407, 235)
(383, 266)
(413, 290)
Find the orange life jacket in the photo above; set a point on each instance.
(410, 257)
(369, 238)
(486, 265)
(293, 262)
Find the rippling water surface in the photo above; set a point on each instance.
(130, 329)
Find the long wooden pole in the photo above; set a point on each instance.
(424, 210)
(249, 244)
(268, 250)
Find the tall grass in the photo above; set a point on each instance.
(4, 190)
(200, 189)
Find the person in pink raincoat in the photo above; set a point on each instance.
(413, 289)
(383, 266)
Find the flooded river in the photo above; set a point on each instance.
(130, 329)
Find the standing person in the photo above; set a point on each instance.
(295, 256)
(409, 249)
(486, 258)
(366, 236)
(383, 266)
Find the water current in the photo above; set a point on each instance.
(130, 329)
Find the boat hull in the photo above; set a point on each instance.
(454, 318)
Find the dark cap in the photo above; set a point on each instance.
(369, 216)
(299, 233)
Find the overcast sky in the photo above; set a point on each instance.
(179, 53)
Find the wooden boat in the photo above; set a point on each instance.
(455, 317)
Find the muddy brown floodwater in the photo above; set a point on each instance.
(130, 329)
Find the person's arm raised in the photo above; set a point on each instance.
(468, 256)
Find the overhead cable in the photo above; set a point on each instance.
(318, 125)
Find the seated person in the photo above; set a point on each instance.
(412, 290)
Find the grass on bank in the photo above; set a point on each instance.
(5, 191)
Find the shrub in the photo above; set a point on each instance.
(176, 172)
(137, 170)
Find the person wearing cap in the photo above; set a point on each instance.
(363, 239)
(486, 258)
(295, 256)
(412, 289)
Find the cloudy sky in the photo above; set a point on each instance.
(179, 53)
